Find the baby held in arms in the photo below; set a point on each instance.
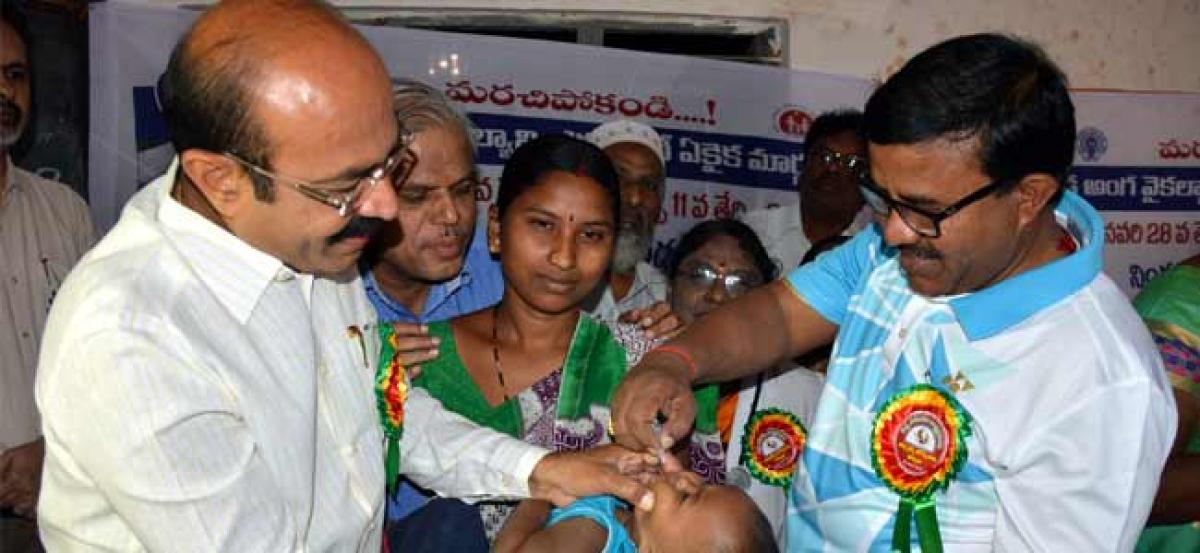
(688, 516)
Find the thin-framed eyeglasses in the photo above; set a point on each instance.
(922, 221)
(735, 283)
(343, 194)
(853, 164)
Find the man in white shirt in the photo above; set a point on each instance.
(44, 229)
(636, 151)
(208, 371)
(830, 205)
(990, 389)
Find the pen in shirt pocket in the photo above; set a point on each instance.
(355, 333)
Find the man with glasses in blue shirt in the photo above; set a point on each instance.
(989, 388)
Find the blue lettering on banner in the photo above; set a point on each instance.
(1138, 188)
(702, 156)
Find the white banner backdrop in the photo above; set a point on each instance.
(1138, 160)
(733, 131)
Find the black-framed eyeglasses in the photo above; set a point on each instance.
(343, 194)
(735, 283)
(921, 221)
(853, 164)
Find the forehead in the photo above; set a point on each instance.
(723, 251)
(724, 510)
(331, 107)
(441, 148)
(566, 194)
(12, 48)
(845, 142)
(935, 169)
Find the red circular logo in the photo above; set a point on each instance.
(793, 121)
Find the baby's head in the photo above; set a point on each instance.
(691, 516)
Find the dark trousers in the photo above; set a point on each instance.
(441, 525)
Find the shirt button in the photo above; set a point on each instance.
(14, 280)
(350, 450)
(25, 334)
(284, 275)
(903, 333)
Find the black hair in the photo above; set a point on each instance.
(830, 123)
(557, 152)
(16, 19)
(207, 100)
(704, 231)
(761, 536)
(999, 90)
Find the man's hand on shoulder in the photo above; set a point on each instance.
(657, 321)
(414, 345)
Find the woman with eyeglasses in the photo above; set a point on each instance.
(717, 261)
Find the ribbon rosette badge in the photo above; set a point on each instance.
(772, 445)
(391, 389)
(918, 446)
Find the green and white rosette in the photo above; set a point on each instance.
(918, 446)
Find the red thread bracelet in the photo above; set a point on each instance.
(682, 354)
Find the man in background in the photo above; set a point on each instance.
(831, 206)
(636, 150)
(44, 229)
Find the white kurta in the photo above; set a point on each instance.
(198, 395)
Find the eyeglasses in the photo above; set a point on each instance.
(343, 194)
(850, 163)
(736, 284)
(921, 221)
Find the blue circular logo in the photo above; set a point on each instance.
(1091, 144)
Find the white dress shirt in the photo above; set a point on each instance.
(649, 287)
(198, 395)
(782, 232)
(44, 229)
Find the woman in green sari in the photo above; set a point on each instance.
(534, 366)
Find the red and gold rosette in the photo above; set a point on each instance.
(391, 389)
(918, 446)
(772, 444)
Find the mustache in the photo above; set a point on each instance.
(448, 231)
(357, 227)
(921, 252)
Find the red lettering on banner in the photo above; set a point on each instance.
(655, 107)
(1179, 149)
(1152, 233)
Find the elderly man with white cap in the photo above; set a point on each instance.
(635, 288)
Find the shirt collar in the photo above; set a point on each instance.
(236, 272)
(14, 180)
(438, 293)
(989, 311)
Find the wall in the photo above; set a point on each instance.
(1129, 45)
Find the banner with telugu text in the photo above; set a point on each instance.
(733, 131)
